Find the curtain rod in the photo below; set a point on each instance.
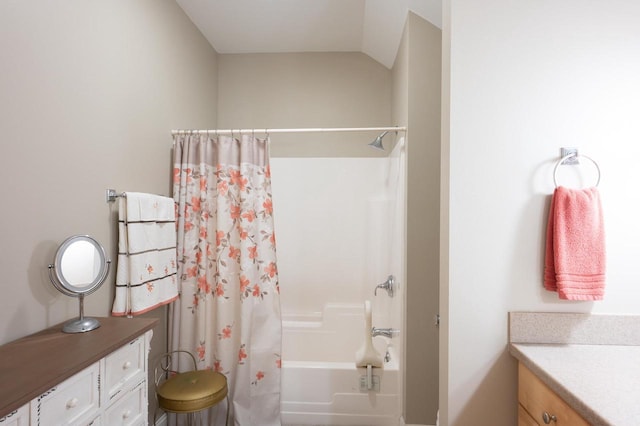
(303, 130)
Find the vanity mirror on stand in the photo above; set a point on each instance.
(80, 267)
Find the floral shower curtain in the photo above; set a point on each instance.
(228, 314)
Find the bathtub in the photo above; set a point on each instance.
(320, 382)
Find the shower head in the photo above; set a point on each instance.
(377, 142)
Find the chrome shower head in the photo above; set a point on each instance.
(377, 142)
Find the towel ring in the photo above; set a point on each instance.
(566, 157)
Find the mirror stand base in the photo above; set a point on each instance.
(81, 325)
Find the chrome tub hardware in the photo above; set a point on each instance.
(388, 285)
(386, 332)
(369, 382)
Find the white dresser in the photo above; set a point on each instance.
(94, 378)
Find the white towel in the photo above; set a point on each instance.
(146, 275)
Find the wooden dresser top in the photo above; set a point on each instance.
(34, 364)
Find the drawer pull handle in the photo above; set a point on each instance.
(548, 418)
(126, 365)
(72, 403)
(126, 415)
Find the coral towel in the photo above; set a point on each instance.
(146, 275)
(575, 258)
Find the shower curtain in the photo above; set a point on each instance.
(228, 314)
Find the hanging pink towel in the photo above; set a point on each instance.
(575, 258)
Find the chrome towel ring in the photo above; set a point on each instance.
(577, 156)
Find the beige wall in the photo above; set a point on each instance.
(292, 90)
(445, 148)
(416, 103)
(90, 92)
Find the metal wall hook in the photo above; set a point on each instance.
(388, 285)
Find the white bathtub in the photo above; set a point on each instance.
(320, 383)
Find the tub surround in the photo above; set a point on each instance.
(322, 351)
(34, 364)
(590, 361)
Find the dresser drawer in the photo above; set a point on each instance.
(73, 401)
(95, 422)
(19, 417)
(130, 409)
(124, 369)
(537, 399)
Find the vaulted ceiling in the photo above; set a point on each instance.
(373, 27)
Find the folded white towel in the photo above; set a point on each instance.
(145, 236)
(143, 207)
(146, 273)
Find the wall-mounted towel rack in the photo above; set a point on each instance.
(570, 156)
(112, 195)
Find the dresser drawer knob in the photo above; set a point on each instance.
(126, 415)
(72, 403)
(548, 418)
(126, 365)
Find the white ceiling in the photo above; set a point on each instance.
(373, 27)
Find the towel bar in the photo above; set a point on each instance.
(112, 195)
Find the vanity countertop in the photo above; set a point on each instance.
(600, 382)
(34, 364)
(589, 360)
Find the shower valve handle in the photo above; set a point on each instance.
(387, 285)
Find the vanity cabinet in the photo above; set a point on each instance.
(539, 405)
(94, 378)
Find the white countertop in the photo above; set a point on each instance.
(600, 382)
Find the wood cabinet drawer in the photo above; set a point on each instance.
(130, 409)
(19, 417)
(73, 401)
(537, 398)
(524, 418)
(124, 369)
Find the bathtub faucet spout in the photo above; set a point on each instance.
(386, 332)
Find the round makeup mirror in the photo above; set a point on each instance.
(80, 267)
